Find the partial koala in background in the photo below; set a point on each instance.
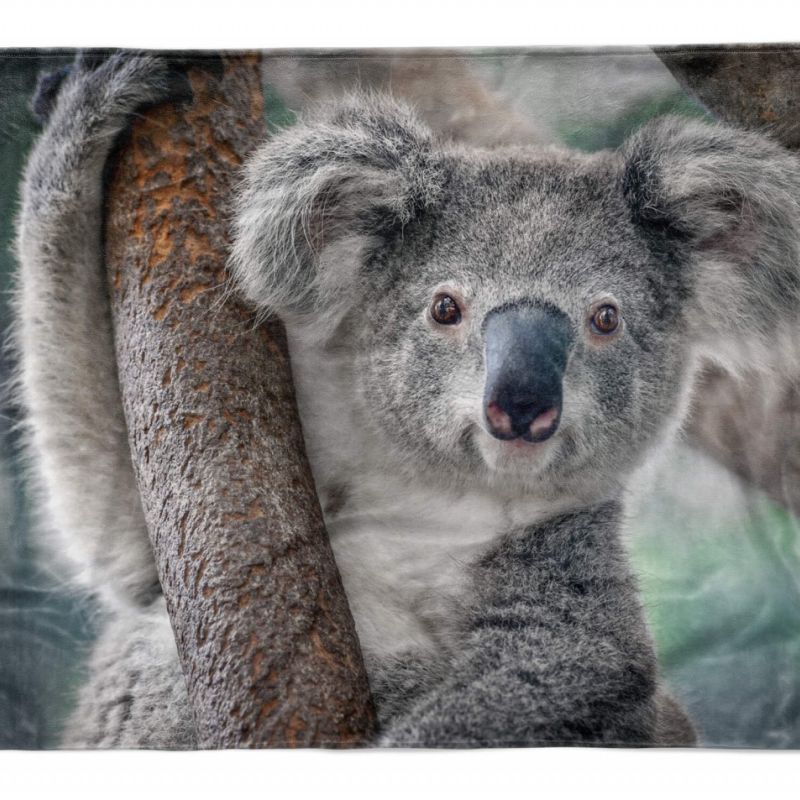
(503, 337)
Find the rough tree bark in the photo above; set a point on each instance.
(264, 632)
(751, 424)
(753, 86)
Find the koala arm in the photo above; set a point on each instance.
(554, 650)
(67, 375)
(135, 693)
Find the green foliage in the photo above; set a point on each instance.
(592, 134)
(277, 113)
(720, 581)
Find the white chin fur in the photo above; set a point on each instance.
(515, 457)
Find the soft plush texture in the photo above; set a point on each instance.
(490, 580)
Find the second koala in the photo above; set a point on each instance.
(486, 346)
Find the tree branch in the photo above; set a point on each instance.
(265, 636)
(752, 86)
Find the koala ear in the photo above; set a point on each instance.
(721, 206)
(320, 196)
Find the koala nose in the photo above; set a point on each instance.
(527, 346)
(534, 421)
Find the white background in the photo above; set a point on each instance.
(346, 23)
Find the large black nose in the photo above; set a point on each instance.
(527, 346)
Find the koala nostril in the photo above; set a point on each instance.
(531, 421)
(499, 422)
(544, 426)
(501, 425)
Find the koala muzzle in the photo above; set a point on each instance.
(526, 347)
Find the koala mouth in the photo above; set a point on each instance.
(514, 458)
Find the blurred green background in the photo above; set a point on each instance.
(719, 563)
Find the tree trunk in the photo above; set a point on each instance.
(755, 86)
(750, 424)
(265, 636)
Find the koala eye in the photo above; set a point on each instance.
(605, 319)
(445, 310)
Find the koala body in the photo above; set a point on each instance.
(486, 344)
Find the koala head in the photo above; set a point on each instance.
(528, 319)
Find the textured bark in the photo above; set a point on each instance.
(265, 635)
(750, 424)
(756, 87)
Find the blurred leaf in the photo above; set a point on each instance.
(277, 113)
(721, 584)
(594, 134)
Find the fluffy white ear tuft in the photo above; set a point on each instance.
(723, 206)
(346, 181)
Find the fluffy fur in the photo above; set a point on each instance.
(491, 594)
(74, 421)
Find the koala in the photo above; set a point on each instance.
(487, 345)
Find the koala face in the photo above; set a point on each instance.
(525, 320)
(513, 336)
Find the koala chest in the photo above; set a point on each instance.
(403, 546)
(404, 554)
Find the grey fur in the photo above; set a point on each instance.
(67, 379)
(491, 592)
(136, 693)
